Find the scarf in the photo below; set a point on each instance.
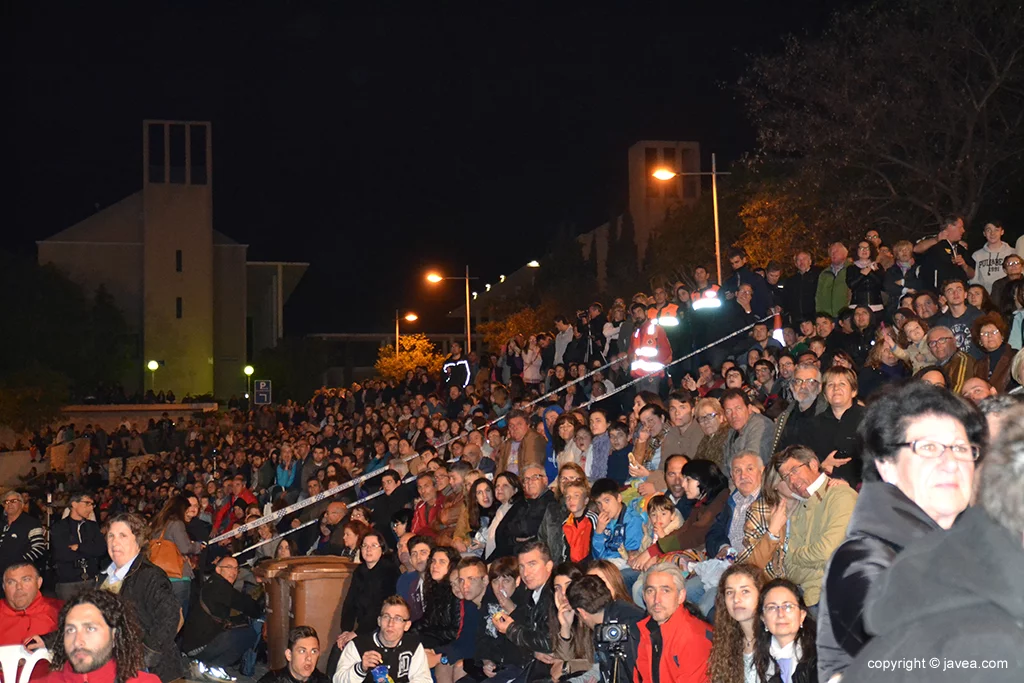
(786, 657)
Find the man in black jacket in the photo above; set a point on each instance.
(396, 496)
(78, 546)
(21, 535)
(539, 498)
(799, 289)
(592, 602)
(527, 627)
(302, 654)
(211, 634)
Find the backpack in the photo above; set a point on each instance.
(165, 554)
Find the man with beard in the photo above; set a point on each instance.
(93, 626)
(795, 424)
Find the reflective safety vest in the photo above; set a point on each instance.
(649, 350)
(707, 299)
(666, 316)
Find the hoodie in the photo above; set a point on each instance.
(550, 457)
(883, 522)
(949, 597)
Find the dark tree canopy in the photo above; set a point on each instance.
(901, 112)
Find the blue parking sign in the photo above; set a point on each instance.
(262, 392)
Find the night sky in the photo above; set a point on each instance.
(374, 145)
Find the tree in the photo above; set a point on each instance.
(296, 367)
(569, 281)
(31, 398)
(526, 321)
(623, 273)
(415, 350)
(902, 112)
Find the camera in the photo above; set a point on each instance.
(611, 633)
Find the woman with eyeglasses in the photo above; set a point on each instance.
(372, 581)
(921, 445)
(711, 419)
(785, 648)
(990, 334)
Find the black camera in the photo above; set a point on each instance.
(611, 633)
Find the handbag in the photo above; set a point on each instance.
(165, 554)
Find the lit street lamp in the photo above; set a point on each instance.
(411, 317)
(152, 366)
(248, 370)
(669, 174)
(435, 278)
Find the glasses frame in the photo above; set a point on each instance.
(913, 446)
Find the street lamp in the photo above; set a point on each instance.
(669, 174)
(411, 317)
(248, 370)
(435, 278)
(152, 366)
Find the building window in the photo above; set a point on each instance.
(177, 150)
(177, 308)
(650, 166)
(177, 261)
(156, 152)
(197, 154)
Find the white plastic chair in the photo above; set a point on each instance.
(12, 655)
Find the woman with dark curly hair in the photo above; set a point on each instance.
(103, 621)
(732, 651)
(785, 650)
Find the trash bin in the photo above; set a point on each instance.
(304, 591)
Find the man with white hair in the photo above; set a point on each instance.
(958, 366)
(674, 644)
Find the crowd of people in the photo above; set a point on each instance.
(801, 498)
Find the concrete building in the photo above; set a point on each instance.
(187, 292)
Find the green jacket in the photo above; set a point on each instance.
(833, 295)
(816, 529)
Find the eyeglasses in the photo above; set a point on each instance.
(534, 477)
(991, 333)
(941, 340)
(392, 619)
(370, 546)
(785, 608)
(808, 382)
(86, 502)
(789, 475)
(707, 418)
(1012, 263)
(926, 448)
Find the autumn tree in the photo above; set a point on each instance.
(903, 111)
(414, 350)
(526, 321)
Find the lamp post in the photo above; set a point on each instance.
(669, 174)
(152, 366)
(248, 370)
(435, 278)
(410, 317)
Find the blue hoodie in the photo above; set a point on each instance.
(550, 457)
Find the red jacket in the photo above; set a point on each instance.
(38, 619)
(685, 649)
(225, 511)
(428, 524)
(577, 537)
(105, 674)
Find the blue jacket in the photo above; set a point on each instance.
(625, 531)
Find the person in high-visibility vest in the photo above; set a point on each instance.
(649, 350)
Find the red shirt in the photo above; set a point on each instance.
(38, 619)
(685, 649)
(105, 674)
(426, 521)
